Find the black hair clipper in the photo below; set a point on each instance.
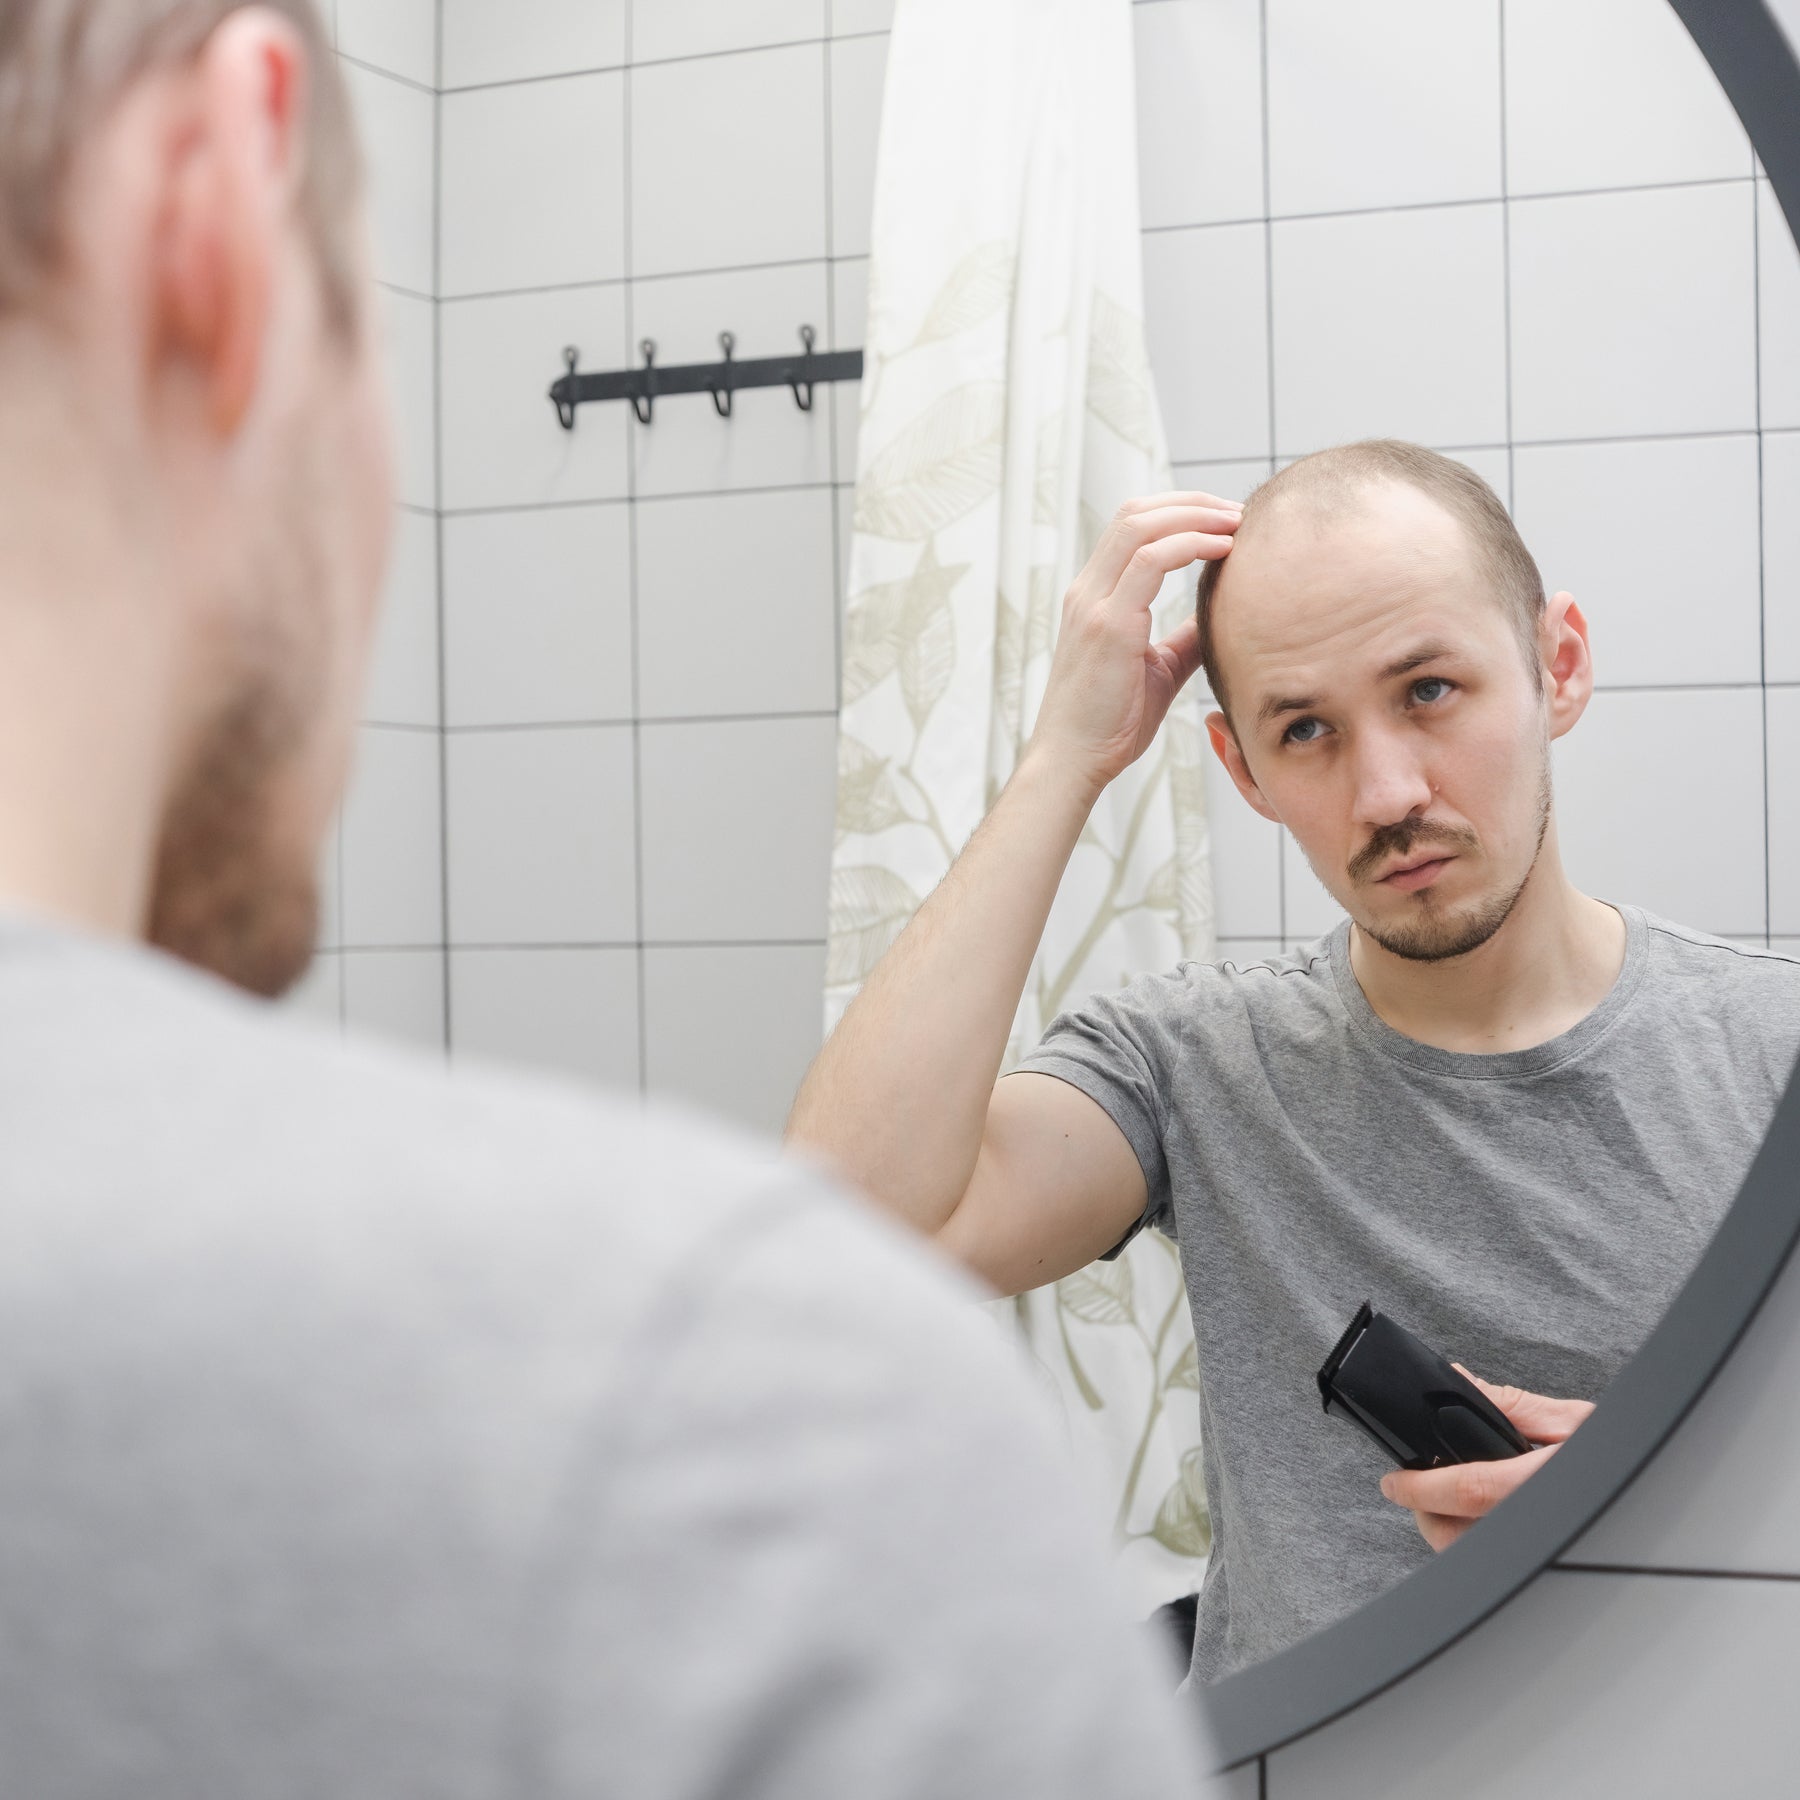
(1418, 1408)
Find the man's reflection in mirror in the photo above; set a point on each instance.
(1508, 1112)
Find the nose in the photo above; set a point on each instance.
(1391, 781)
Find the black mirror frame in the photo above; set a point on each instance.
(1328, 1674)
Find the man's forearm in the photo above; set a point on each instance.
(898, 1097)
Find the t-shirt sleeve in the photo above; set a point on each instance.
(834, 1549)
(1119, 1048)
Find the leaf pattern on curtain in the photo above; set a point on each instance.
(1007, 410)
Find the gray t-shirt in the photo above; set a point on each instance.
(369, 1432)
(1530, 1214)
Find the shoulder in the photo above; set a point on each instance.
(1724, 965)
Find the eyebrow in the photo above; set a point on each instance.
(1277, 704)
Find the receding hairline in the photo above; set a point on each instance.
(1332, 483)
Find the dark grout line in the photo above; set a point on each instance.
(614, 944)
(393, 75)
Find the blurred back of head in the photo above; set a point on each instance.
(195, 467)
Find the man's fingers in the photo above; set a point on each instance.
(1542, 1419)
(1439, 1532)
(1141, 578)
(1186, 497)
(1180, 651)
(1463, 1490)
(1130, 532)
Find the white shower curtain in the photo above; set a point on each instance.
(1006, 411)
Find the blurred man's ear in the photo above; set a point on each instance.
(1225, 746)
(228, 181)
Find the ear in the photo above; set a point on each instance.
(232, 150)
(1225, 747)
(1568, 663)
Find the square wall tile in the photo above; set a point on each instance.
(1657, 542)
(768, 441)
(534, 185)
(737, 827)
(858, 74)
(399, 140)
(671, 28)
(1389, 324)
(1199, 111)
(319, 994)
(1778, 312)
(502, 444)
(574, 1011)
(1246, 860)
(392, 848)
(396, 993)
(1204, 289)
(1572, 121)
(1781, 555)
(540, 829)
(403, 670)
(397, 35)
(1307, 908)
(1614, 337)
(736, 604)
(1382, 103)
(861, 15)
(526, 38)
(1639, 775)
(1784, 808)
(409, 349)
(734, 1030)
(728, 161)
(537, 616)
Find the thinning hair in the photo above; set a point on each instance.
(64, 64)
(1332, 481)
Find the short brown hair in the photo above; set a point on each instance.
(1330, 480)
(65, 63)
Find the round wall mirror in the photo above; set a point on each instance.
(1338, 1669)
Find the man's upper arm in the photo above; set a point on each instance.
(1057, 1183)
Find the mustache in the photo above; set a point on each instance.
(1402, 837)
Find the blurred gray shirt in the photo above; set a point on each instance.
(366, 1431)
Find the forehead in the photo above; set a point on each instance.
(1311, 597)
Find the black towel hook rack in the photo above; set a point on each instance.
(643, 387)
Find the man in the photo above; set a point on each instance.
(1506, 1113)
(369, 1433)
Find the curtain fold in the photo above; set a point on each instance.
(1007, 410)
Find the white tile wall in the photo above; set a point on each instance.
(1663, 117)
(677, 28)
(537, 616)
(391, 846)
(397, 35)
(1657, 541)
(539, 829)
(733, 1029)
(728, 160)
(1605, 342)
(1784, 809)
(408, 331)
(397, 993)
(526, 38)
(1199, 147)
(858, 68)
(510, 220)
(570, 1010)
(403, 683)
(1781, 554)
(1778, 312)
(736, 596)
(737, 829)
(1390, 324)
(1347, 117)
(398, 124)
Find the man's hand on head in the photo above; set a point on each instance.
(1110, 683)
(1446, 1502)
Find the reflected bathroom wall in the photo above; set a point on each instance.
(1530, 235)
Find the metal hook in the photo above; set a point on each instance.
(804, 403)
(648, 347)
(721, 397)
(565, 408)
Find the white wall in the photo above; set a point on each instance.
(1529, 233)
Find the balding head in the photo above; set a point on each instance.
(1318, 493)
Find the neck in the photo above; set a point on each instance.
(87, 675)
(1547, 967)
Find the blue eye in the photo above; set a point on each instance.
(1430, 681)
(1297, 733)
